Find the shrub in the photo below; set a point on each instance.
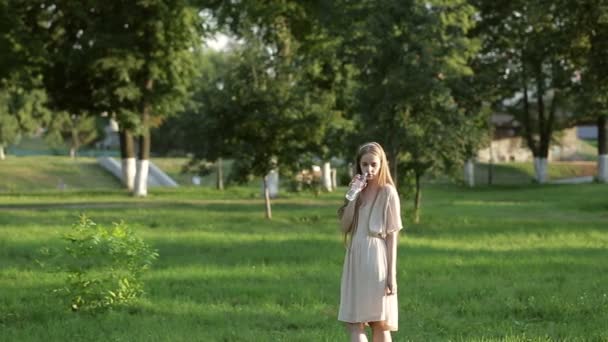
(104, 265)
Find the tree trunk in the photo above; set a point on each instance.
(326, 177)
(2, 155)
(540, 169)
(127, 154)
(469, 172)
(602, 149)
(527, 127)
(395, 175)
(141, 177)
(545, 129)
(75, 143)
(267, 199)
(417, 200)
(540, 106)
(220, 174)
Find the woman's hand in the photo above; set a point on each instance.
(391, 285)
(358, 178)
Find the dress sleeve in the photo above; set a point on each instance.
(392, 222)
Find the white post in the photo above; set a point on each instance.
(128, 172)
(334, 178)
(602, 168)
(469, 172)
(326, 177)
(272, 180)
(2, 156)
(141, 178)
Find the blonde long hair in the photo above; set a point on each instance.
(384, 177)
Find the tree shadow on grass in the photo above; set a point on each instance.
(290, 286)
(155, 214)
(229, 307)
(503, 174)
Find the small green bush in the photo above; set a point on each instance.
(104, 265)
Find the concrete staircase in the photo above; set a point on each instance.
(156, 176)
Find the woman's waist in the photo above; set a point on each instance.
(367, 237)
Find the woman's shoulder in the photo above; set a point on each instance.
(389, 189)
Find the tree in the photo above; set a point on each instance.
(22, 111)
(76, 130)
(592, 18)
(22, 99)
(407, 55)
(275, 120)
(531, 43)
(474, 96)
(279, 101)
(203, 128)
(143, 65)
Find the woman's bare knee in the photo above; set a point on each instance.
(380, 332)
(355, 328)
(378, 325)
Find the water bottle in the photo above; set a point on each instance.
(356, 187)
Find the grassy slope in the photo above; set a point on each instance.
(39, 173)
(48, 172)
(509, 264)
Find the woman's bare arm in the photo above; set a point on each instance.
(346, 220)
(391, 262)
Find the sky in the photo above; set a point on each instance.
(218, 42)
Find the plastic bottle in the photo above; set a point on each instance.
(356, 187)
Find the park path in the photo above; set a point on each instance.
(574, 180)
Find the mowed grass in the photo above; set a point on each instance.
(174, 168)
(487, 264)
(521, 173)
(44, 173)
(39, 173)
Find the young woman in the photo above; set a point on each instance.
(369, 280)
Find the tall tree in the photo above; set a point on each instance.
(592, 18)
(531, 43)
(407, 53)
(202, 129)
(22, 99)
(68, 40)
(279, 88)
(474, 95)
(22, 111)
(143, 65)
(73, 130)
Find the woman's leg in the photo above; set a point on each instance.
(380, 333)
(356, 331)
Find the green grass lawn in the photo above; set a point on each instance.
(43, 173)
(514, 173)
(488, 264)
(18, 174)
(47, 173)
(174, 168)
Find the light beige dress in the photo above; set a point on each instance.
(362, 297)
